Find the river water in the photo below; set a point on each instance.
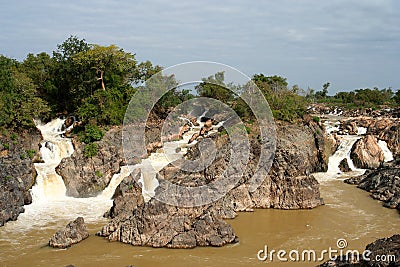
(348, 213)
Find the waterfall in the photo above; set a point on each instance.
(51, 206)
(342, 152)
(386, 151)
(50, 185)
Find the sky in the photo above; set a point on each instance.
(350, 43)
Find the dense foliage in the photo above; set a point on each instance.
(96, 84)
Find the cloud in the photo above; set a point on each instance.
(308, 41)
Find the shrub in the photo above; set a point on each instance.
(22, 156)
(91, 150)
(92, 133)
(98, 174)
(316, 119)
(13, 136)
(6, 146)
(31, 153)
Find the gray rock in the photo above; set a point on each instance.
(17, 173)
(73, 233)
(87, 177)
(383, 183)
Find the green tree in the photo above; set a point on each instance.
(109, 63)
(19, 104)
(215, 87)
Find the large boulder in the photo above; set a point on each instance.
(367, 154)
(344, 165)
(73, 233)
(391, 135)
(157, 224)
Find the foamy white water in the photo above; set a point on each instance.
(386, 151)
(50, 205)
(361, 130)
(342, 152)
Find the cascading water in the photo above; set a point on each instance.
(50, 205)
(49, 185)
(386, 151)
(342, 152)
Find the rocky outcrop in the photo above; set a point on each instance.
(17, 174)
(73, 233)
(389, 248)
(391, 135)
(367, 154)
(157, 224)
(383, 183)
(86, 177)
(344, 165)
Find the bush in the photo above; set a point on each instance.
(22, 156)
(91, 134)
(6, 146)
(98, 174)
(91, 150)
(31, 153)
(13, 136)
(316, 119)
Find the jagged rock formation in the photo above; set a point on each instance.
(17, 173)
(160, 225)
(367, 154)
(86, 177)
(73, 233)
(387, 247)
(383, 183)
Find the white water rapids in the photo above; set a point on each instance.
(50, 205)
(343, 152)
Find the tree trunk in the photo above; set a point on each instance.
(103, 86)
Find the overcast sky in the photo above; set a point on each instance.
(352, 44)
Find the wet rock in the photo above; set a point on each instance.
(127, 196)
(157, 224)
(367, 154)
(386, 247)
(344, 165)
(17, 173)
(73, 233)
(86, 177)
(160, 225)
(383, 183)
(391, 135)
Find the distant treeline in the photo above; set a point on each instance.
(96, 83)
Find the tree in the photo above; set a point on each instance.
(397, 97)
(19, 104)
(69, 79)
(215, 87)
(108, 62)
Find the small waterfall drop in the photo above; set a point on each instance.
(50, 185)
(342, 152)
(386, 151)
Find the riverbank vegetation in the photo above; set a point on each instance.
(95, 83)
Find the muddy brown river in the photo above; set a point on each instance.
(349, 213)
